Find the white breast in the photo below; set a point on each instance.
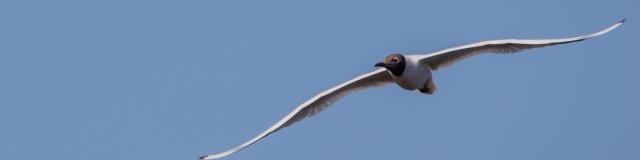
(415, 75)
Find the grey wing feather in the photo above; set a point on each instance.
(317, 104)
(449, 56)
(325, 99)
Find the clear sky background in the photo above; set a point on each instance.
(173, 80)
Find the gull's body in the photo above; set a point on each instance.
(410, 72)
(415, 74)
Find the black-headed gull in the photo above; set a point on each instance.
(410, 72)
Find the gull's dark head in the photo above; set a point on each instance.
(395, 63)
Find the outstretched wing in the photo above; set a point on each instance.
(449, 56)
(317, 104)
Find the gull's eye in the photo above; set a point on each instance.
(394, 59)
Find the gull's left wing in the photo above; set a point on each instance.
(449, 56)
(317, 104)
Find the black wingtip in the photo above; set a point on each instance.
(622, 21)
(202, 157)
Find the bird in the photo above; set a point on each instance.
(410, 72)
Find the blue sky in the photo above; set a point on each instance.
(166, 80)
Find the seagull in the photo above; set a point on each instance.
(410, 72)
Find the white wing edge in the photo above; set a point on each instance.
(528, 41)
(284, 120)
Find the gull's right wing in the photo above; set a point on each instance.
(317, 104)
